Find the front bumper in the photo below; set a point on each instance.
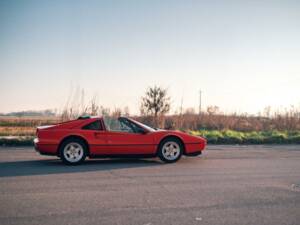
(194, 149)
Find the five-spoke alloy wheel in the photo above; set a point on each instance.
(170, 150)
(73, 151)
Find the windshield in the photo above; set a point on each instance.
(144, 126)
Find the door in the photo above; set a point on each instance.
(126, 137)
(96, 136)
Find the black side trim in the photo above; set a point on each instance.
(47, 144)
(48, 153)
(193, 143)
(122, 144)
(194, 153)
(123, 156)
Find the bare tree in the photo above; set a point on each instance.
(156, 103)
(94, 107)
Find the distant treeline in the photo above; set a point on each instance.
(30, 113)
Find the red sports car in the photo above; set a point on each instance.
(74, 140)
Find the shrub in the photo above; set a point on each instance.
(253, 137)
(18, 141)
(275, 137)
(295, 139)
(233, 137)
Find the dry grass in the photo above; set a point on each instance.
(17, 131)
(281, 122)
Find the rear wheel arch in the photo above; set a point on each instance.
(167, 137)
(73, 137)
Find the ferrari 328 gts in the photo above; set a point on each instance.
(110, 137)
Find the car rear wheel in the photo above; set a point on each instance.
(170, 150)
(73, 151)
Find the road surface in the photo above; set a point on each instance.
(226, 185)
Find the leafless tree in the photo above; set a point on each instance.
(155, 103)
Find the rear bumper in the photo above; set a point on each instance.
(44, 149)
(35, 142)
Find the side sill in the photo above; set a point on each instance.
(48, 153)
(128, 156)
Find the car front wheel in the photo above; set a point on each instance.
(170, 150)
(73, 151)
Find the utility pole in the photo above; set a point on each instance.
(181, 105)
(200, 96)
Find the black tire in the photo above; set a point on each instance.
(77, 142)
(161, 151)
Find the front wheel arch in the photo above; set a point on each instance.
(73, 137)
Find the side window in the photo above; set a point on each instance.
(117, 124)
(136, 128)
(96, 125)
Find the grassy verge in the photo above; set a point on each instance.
(253, 137)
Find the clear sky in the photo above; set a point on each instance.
(243, 55)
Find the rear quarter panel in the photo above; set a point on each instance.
(50, 138)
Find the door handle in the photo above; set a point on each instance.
(98, 134)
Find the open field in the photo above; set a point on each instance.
(23, 126)
(34, 121)
(226, 185)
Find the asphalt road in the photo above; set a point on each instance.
(226, 185)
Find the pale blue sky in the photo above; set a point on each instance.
(244, 55)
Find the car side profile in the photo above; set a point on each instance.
(110, 137)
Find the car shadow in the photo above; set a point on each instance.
(55, 166)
